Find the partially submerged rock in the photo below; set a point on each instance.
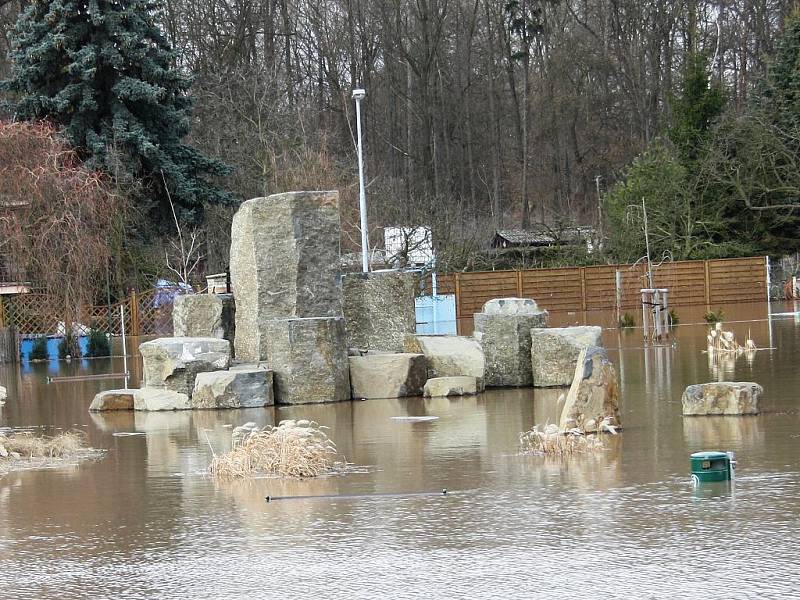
(555, 351)
(309, 360)
(451, 386)
(722, 398)
(173, 363)
(504, 332)
(148, 398)
(205, 315)
(112, 400)
(3, 394)
(238, 388)
(592, 403)
(450, 356)
(387, 375)
(379, 309)
(284, 260)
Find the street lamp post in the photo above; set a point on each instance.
(358, 95)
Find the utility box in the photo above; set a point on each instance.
(712, 466)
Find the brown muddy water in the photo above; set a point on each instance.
(145, 522)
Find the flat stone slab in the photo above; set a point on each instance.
(240, 388)
(450, 355)
(3, 393)
(159, 399)
(173, 363)
(112, 400)
(504, 333)
(309, 360)
(593, 397)
(284, 261)
(555, 350)
(387, 375)
(722, 398)
(379, 309)
(205, 315)
(451, 386)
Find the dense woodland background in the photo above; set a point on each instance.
(479, 115)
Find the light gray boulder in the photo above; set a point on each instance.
(503, 329)
(451, 386)
(284, 261)
(159, 399)
(3, 393)
(112, 400)
(173, 363)
(205, 315)
(238, 388)
(387, 375)
(722, 398)
(379, 309)
(592, 402)
(555, 350)
(449, 355)
(309, 360)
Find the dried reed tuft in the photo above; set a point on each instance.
(27, 445)
(292, 449)
(551, 441)
(724, 342)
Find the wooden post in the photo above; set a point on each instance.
(2, 313)
(519, 284)
(708, 284)
(458, 302)
(583, 288)
(645, 317)
(134, 305)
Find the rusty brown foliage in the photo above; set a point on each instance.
(56, 216)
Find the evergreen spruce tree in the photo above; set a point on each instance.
(104, 72)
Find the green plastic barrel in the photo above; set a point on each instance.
(711, 466)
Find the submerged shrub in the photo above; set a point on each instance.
(714, 317)
(68, 346)
(39, 349)
(99, 344)
(626, 321)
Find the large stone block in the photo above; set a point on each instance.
(722, 398)
(112, 400)
(449, 355)
(205, 315)
(504, 332)
(451, 386)
(149, 398)
(238, 388)
(284, 264)
(593, 398)
(379, 309)
(173, 363)
(387, 375)
(309, 359)
(554, 352)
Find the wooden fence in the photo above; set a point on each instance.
(9, 348)
(39, 314)
(709, 282)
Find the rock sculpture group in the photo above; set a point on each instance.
(295, 331)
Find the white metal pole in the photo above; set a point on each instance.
(124, 344)
(362, 195)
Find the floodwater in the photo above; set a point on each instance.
(145, 522)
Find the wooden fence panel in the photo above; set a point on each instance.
(685, 281)
(557, 289)
(474, 289)
(737, 280)
(9, 348)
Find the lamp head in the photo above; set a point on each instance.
(359, 94)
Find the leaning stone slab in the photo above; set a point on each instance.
(309, 360)
(722, 398)
(554, 353)
(387, 375)
(233, 389)
(159, 399)
(504, 332)
(451, 386)
(449, 355)
(112, 400)
(173, 363)
(284, 264)
(205, 315)
(592, 402)
(379, 309)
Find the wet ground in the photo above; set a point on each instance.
(146, 523)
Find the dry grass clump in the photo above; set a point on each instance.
(724, 342)
(292, 449)
(26, 445)
(551, 441)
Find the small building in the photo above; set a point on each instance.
(544, 237)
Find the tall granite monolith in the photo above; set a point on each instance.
(309, 359)
(284, 264)
(379, 310)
